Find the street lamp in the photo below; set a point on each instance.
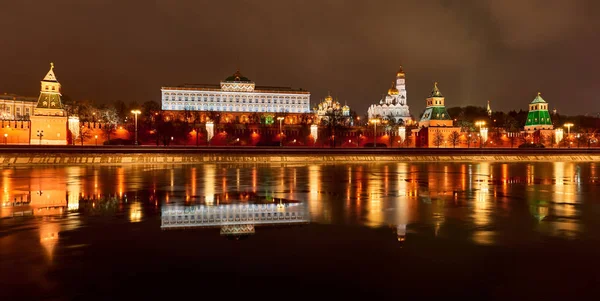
(480, 124)
(568, 125)
(96, 137)
(136, 113)
(5, 138)
(374, 121)
(40, 133)
(280, 132)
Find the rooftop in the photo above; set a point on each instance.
(10, 96)
(538, 99)
(217, 88)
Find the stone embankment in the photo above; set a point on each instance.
(141, 158)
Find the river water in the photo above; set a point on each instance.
(382, 230)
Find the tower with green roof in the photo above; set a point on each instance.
(538, 117)
(436, 125)
(435, 113)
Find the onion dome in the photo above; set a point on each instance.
(400, 72)
(393, 90)
(328, 98)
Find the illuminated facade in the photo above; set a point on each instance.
(14, 107)
(436, 125)
(538, 117)
(329, 107)
(49, 119)
(235, 94)
(394, 105)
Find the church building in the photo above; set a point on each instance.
(393, 106)
(330, 107)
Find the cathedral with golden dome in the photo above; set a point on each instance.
(329, 106)
(393, 106)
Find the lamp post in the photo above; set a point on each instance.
(136, 113)
(96, 137)
(5, 138)
(374, 121)
(480, 124)
(568, 125)
(40, 133)
(280, 132)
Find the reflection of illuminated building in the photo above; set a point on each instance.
(401, 232)
(375, 214)
(481, 205)
(315, 202)
(49, 237)
(210, 173)
(135, 212)
(234, 219)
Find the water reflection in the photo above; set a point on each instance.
(237, 218)
(486, 203)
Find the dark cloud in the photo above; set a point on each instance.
(478, 50)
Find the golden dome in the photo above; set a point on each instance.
(393, 90)
(328, 98)
(400, 72)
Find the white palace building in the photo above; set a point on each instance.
(235, 94)
(394, 105)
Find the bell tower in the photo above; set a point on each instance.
(401, 86)
(49, 119)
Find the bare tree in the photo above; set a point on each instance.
(454, 138)
(438, 139)
(85, 133)
(110, 118)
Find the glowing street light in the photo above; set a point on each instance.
(280, 132)
(136, 113)
(569, 125)
(375, 121)
(480, 124)
(96, 137)
(5, 138)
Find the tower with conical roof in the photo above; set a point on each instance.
(49, 102)
(49, 119)
(435, 113)
(538, 117)
(435, 126)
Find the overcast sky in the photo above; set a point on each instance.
(502, 50)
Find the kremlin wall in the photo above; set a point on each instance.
(237, 112)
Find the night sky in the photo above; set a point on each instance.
(502, 50)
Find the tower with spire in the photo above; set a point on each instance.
(393, 104)
(435, 113)
(435, 126)
(489, 109)
(538, 117)
(49, 119)
(49, 102)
